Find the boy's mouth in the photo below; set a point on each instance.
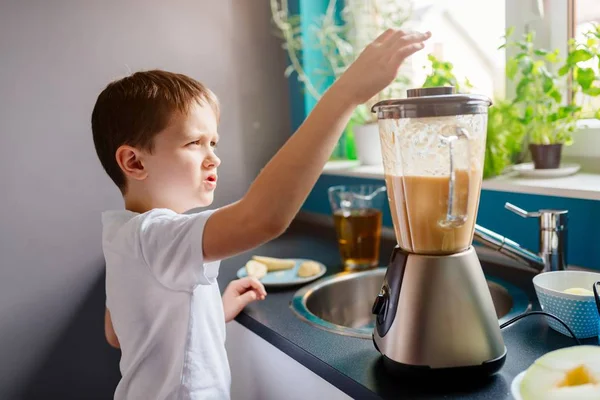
(211, 181)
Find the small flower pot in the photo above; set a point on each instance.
(368, 146)
(546, 156)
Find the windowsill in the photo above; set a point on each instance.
(583, 185)
(588, 123)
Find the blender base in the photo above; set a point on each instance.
(421, 372)
(436, 317)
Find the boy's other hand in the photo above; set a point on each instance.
(377, 66)
(239, 294)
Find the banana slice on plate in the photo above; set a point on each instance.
(308, 268)
(282, 272)
(275, 264)
(256, 269)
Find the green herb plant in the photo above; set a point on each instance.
(580, 60)
(504, 140)
(549, 117)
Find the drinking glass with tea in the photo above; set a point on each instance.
(357, 217)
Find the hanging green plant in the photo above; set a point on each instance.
(341, 37)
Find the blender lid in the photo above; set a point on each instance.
(432, 102)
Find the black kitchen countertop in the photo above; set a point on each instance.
(352, 364)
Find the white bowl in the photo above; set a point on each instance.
(578, 312)
(515, 387)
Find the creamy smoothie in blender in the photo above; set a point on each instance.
(419, 205)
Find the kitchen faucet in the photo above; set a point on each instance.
(552, 239)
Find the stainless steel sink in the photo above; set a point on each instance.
(342, 303)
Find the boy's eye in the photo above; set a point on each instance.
(213, 144)
(194, 143)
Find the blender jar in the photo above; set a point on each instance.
(433, 147)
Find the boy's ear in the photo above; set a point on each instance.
(130, 160)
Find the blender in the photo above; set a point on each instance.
(434, 313)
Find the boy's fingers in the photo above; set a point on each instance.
(253, 283)
(248, 297)
(391, 40)
(410, 39)
(260, 290)
(405, 52)
(248, 282)
(257, 285)
(384, 36)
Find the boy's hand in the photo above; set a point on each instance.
(377, 66)
(239, 294)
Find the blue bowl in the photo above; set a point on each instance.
(579, 312)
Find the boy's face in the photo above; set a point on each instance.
(182, 168)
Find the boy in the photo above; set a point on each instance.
(155, 134)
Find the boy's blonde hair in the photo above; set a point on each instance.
(132, 110)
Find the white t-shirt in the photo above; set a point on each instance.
(165, 306)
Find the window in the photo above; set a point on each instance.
(470, 44)
(585, 14)
(468, 33)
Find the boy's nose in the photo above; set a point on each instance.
(212, 162)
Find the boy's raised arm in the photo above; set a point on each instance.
(278, 192)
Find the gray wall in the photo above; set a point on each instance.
(55, 57)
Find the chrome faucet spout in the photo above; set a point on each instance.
(509, 248)
(552, 239)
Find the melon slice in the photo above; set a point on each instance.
(569, 373)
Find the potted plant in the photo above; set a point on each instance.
(548, 119)
(504, 140)
(341, 36)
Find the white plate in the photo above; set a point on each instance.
(288, 277)
(528, 170)
(515, 387)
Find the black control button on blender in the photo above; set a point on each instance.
(380, 301)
